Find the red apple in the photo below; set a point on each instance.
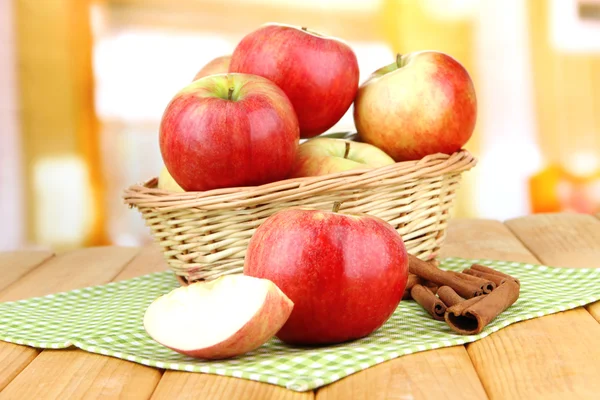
(345, 273)
(322, 156)
(422, 104)
(219, 65)
(318, 73)
(229, 130)
(227, 317)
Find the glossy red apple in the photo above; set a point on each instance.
(222, 131)
(219, 65)
(345, 273)
(322, 156)
(223, 318)
(318, 73)
(422, 104)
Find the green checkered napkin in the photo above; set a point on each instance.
(107, 320)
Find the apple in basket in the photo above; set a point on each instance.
(422, 104)
(223, 318)
(322, 156)
(319, 73)
(166, 181)
(345, 273)
(228, 130)
(219, 65)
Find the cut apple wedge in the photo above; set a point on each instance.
(227, 317)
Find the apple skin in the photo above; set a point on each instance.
(318, 73)
(322, 156)
(162, 323)
(208, 141)
(346, 274)
(219, 65)
(166, 181)
(425, 106)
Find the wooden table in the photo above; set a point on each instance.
(556, 356)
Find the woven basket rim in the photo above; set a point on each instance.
(145, 194)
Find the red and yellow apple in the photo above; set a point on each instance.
(422, 104)
(227, 317)
(166, 181)
(322, 156)
(318, 73)
(345, 273)
(228, 130)
(219, 65)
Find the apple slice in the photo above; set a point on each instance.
(226, 317)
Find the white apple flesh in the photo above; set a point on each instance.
(227, 317)
(322, 156)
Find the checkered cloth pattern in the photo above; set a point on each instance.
(107, 320)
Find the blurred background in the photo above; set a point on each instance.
(83, 85)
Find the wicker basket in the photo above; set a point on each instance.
(205, 234)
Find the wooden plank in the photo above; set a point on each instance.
(13, 359)
(13, 265)
(185, 385)
(568, 240)
(75, 374)
(149, 260)
(556, 356)
(565, 240)
(417, 376)
(71, 270)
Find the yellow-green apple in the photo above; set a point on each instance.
(422, 104)
(219, 65)
(319, 73)
(322, 156)
(166, 181)
(228, 130)
(223, 318)
(345, 273)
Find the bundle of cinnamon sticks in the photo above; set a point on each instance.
(467, 300)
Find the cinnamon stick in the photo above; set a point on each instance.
(488, 270)
(449, 296)
(472, 315)
(412, 281)
(497, 279)
(463, 287)
(426, 299)
(486, 285)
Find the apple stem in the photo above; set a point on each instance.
(347, 150)
(336, 206)
(230, 93)
(304, 28)
(399, 60)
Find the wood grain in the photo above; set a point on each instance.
(76, 269)
(444, 373)
(567, 240)
(14, 265)
(74, 373)
(13, 359)
(185, 385)
(539, 358)
(149, 260)
(562, 240)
